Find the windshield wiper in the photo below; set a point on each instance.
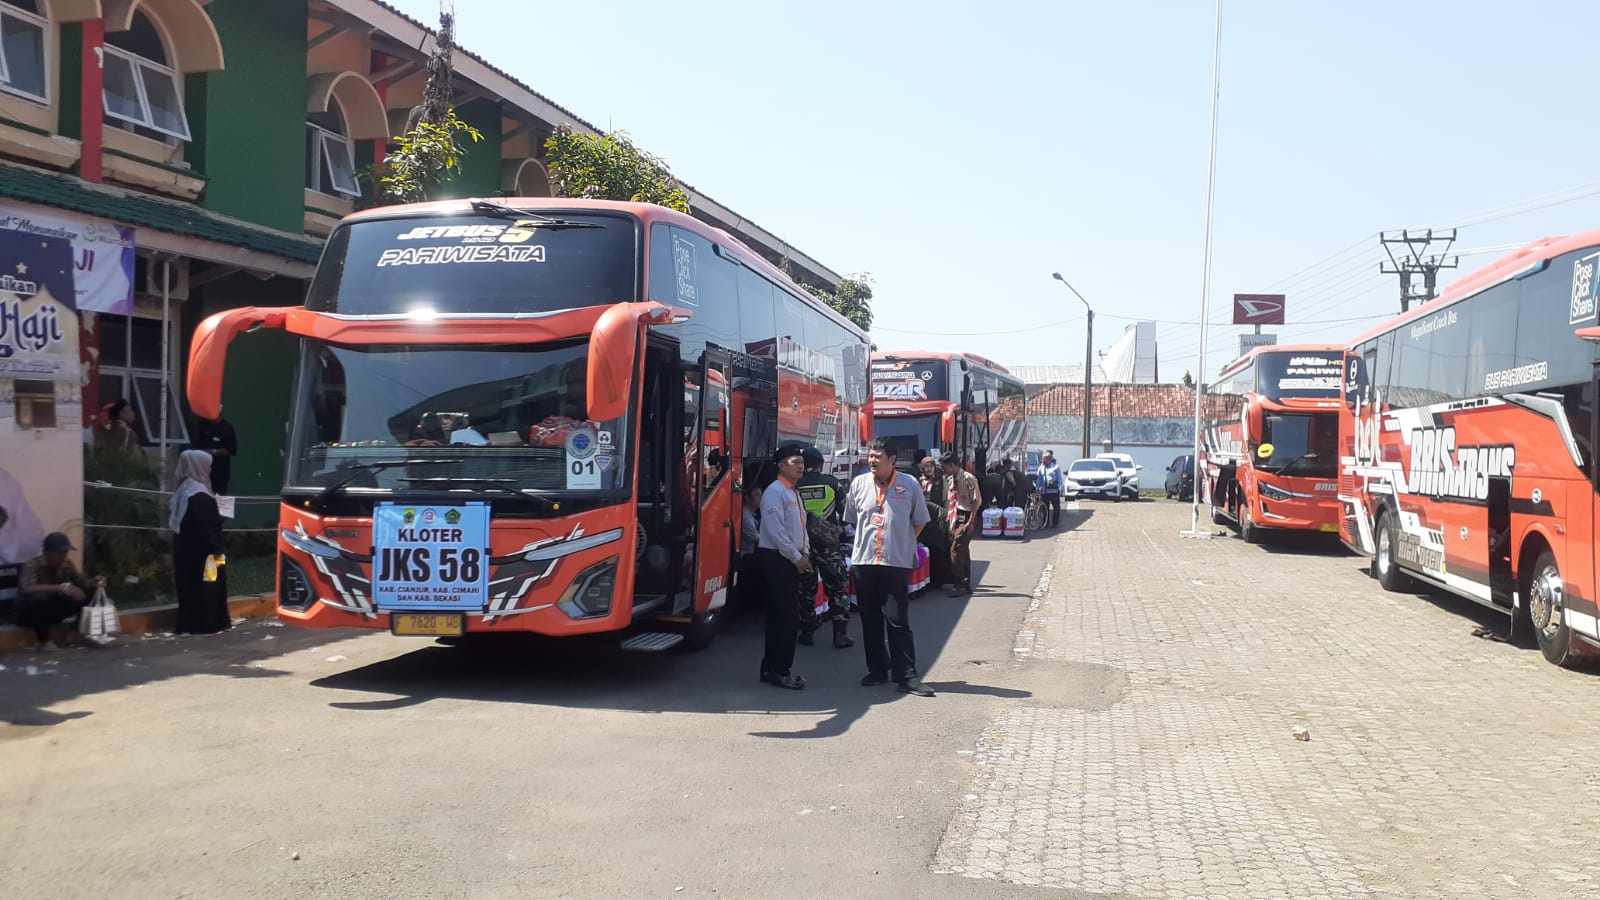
(356, 470)
(497, 484)
(500, 210)
(1309, 454)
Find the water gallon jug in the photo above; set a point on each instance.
(1013, 522)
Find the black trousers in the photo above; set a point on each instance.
(1052, 509)
(876, 587)
(40, 613)
(782, 585)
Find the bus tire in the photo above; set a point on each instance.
(702, 630)
(1385, 568)
(1543, 588)
(1248, 532)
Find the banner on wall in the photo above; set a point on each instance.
(41, 406)
(102, 255)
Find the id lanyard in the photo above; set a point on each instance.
(882, 520)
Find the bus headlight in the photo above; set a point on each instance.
(294, 588)
(589, 595)
(1273, 493)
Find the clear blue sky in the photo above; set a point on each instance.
(961, 153)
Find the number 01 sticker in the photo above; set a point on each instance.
(583, 471)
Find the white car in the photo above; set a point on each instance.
(1128, 469)
(1094, 478)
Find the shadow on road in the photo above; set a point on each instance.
(595, 674)
(33, 680)
(1302, 543)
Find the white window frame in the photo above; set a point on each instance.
(43, 24)
(140, 65)
(324, 175)
(131, 375)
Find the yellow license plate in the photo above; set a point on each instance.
(1330, 528)
(432, 624)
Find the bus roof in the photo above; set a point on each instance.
(647, 213)
(1515, 263)
(1246, 359)
(945, 355)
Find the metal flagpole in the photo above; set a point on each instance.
(1205, 282)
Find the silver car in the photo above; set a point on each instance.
(1094, 478)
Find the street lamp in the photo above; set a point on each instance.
(1088, 361)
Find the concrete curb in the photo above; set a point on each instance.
(150, 619)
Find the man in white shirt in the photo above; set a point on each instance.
(785, 552)
(888, 511)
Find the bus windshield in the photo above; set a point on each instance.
(476, 264)
(907, 433)
(1303, 444)
(476, 418)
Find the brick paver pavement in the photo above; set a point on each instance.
(1439, 764)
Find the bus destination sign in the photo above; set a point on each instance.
(430, 557)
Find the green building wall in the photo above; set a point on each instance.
(249, 119)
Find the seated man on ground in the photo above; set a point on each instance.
(50, 589)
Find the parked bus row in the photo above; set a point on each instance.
(1452, 446)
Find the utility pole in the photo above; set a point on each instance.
(1412, 261)
(1088, 362)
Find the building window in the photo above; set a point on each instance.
(22, 49)
(141, 89)
(330, 154)
(35, 403)
(130, 368)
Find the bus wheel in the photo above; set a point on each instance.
(702, 630)
(1548, 615)
(1384, 567)
(1248, 532)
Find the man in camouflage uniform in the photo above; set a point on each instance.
(823, 500)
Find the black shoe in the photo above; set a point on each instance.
(914, 685)
(872, 679)
(806, 637)
(788, 682)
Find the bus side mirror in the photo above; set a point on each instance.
(865, 421)
(947, 427)
(208, 353)
(1253, 423)
(613, 344)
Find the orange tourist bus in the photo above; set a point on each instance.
(940, 402)
(1274, 464)
(1468, 445)
(537, 415)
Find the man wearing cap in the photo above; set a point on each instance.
(49, 589)
(822, 498)
(888, 511)
(785, 553)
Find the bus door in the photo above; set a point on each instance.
(664, 524)
(717, 438)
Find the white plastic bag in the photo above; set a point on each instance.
(98, 620)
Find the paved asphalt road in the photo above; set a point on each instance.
(1127, 731)
(201, 767)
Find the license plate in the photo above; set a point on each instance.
(431, 624)
(1330, 528)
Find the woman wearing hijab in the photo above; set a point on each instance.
(197, 534)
